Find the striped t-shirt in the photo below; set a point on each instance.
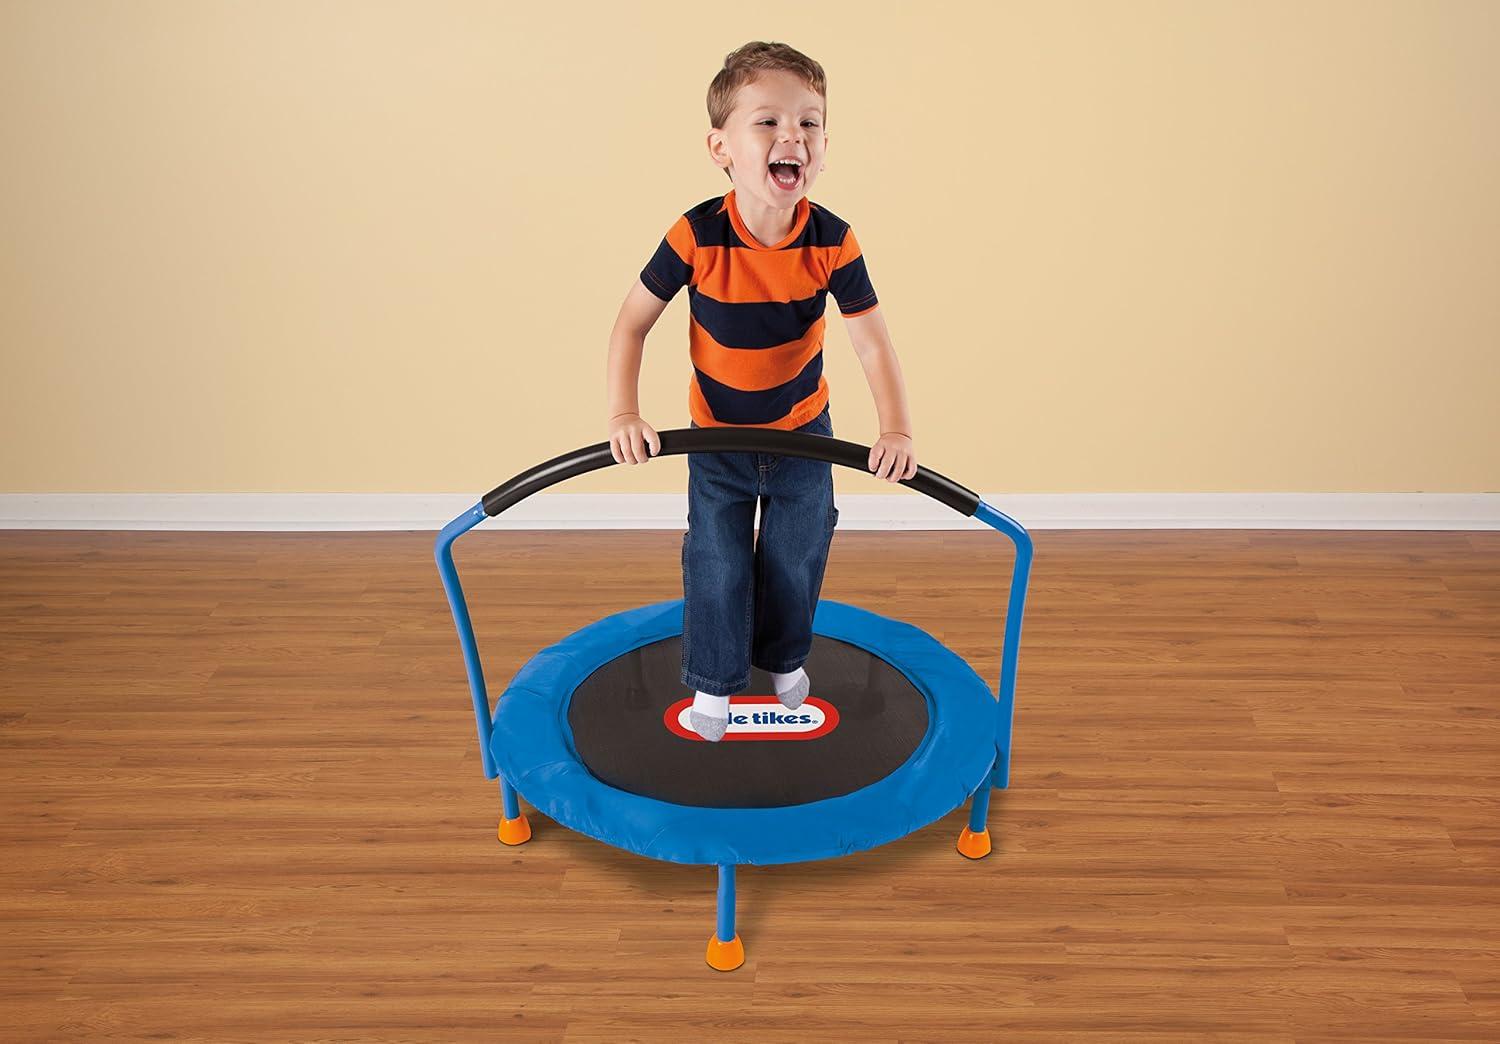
(755, 331)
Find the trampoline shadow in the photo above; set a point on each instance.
(766, 892)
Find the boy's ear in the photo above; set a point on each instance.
(717, 150)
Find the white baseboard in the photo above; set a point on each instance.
(906, 510)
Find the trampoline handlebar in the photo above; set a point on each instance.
(738, 440)
(726, 440)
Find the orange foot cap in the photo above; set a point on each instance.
(515, 831)
(975, 846)
(725, 956)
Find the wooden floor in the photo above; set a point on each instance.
(1255, 797)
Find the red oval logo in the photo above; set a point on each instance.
(761, 718)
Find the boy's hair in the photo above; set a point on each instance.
(743, 65)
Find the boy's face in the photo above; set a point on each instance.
(776, 116)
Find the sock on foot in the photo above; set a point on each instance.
(791, 688)
(709, 716)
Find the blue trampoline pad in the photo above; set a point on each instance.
(897, 732)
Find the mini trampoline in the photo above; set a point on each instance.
(897, 732)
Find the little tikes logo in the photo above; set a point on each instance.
(761, 718)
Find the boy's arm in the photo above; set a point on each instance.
(872, 344)
(627, 343)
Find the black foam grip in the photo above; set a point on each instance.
(726, 440)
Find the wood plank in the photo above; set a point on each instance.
(1255, 797)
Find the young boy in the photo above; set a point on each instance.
(758, 262)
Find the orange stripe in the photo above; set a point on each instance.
(760, 276)
(850, 248)
(753, 369)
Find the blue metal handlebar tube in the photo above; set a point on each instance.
(1010, 652)
(451, 532)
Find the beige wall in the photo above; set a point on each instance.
(1169, 246)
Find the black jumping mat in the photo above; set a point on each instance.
(617, 721)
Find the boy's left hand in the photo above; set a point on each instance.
(893, 457)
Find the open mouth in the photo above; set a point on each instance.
(787, 174)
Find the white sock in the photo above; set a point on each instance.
(713, 706)
(783, 682)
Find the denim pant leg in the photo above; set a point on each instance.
(797, 520)
(718, 571)
(745, 601)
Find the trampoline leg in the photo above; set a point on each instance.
(514, 829)
(725, 951)
(974, 842)
(1000, 775)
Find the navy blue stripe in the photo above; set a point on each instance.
(851, 287)
(666, 273)
(824, 229)
(732, 406)
(712, 227)
(756, 324)
(715, 230)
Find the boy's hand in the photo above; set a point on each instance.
(628, 438)
(893, 457)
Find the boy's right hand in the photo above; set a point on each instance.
(629, 436)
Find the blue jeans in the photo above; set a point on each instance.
(744, 605)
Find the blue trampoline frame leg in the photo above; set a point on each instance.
(726, 903)
(725, 951)
(515, 829)
(974, 842)
(979, 810)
